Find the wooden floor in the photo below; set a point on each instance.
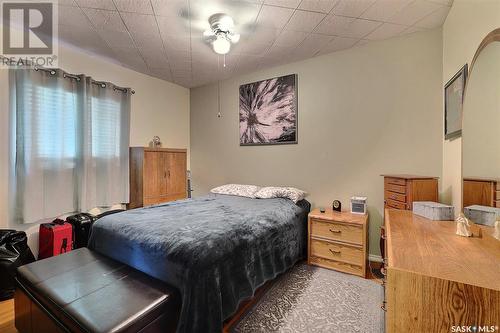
(7, 317)
(7, 309)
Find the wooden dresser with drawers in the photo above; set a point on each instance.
(437, 281)
(338, 241)
(481, 191)
(400, 191)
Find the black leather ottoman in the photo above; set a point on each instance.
(82, 291)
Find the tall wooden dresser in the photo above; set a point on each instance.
(400, 191)
(437, 281)
(481, 191)
(157, 175)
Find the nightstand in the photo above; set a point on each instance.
(338, 240)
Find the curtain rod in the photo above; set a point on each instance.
(101, 84)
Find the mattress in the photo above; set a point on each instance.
(216, 250)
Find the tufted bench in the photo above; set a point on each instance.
(83, 291)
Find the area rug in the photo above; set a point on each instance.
(313, 299)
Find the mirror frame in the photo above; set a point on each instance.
(493, 36)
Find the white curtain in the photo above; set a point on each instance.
(71, 144)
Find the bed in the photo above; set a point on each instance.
(216, 250)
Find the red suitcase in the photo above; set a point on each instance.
(55, 238)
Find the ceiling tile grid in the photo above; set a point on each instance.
(164, 38)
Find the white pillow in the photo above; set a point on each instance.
(291, 193)
(237, 189)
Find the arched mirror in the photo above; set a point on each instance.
(481, 134)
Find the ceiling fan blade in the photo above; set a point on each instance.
(234, 37)
(208, 33)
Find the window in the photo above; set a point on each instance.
(72, 139)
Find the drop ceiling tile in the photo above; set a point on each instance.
(99, 4)
(261, 35)
(140, 23)
(346, 26)
(434, 20)
(134, 6)
(323, 6)
(174, 8)
(127, 52)
(147, 40)
(443, 2)
(274, 17)
(105, 19)
(154, 58)
(116, 38)
(277, 51)
(177, 44)
(386, 30)
(338, 43)
(170, 25)
(67, 3)
(256, 49)
(289, 38)
(184, 66)
(72, 16)
(283, 3)
(412, 29)
(312, 45)
(414, 12)
(382, 10)
(304, 21)
(351, 8)
(362, 42)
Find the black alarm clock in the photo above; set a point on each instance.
(337, 206)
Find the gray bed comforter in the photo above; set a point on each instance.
(216, 250)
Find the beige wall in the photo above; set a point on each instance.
(468, 22)
(365, 111)
(158, 108)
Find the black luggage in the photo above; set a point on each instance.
(82, 224)
(14, 252)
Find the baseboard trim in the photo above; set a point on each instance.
(375, 258)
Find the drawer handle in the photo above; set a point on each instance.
(336, 231)
(394, 197)
(334, 251)
(383, 306)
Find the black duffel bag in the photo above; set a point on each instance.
(14, 252)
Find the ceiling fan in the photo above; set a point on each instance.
(221, 33)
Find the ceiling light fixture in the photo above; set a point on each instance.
(221, 33)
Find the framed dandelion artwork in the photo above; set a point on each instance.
(268, 111)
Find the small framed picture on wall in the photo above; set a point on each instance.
(453, 104)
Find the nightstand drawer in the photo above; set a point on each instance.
(395, 196)
(337, 251)
(337, 265)
(337, 231)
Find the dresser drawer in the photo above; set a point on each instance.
(395, 196)
(396, 188)
(395, 204)
(337, 251)
(337, 231)
(337, 265)
(395, 181)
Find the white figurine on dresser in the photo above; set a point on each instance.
(463, 226)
